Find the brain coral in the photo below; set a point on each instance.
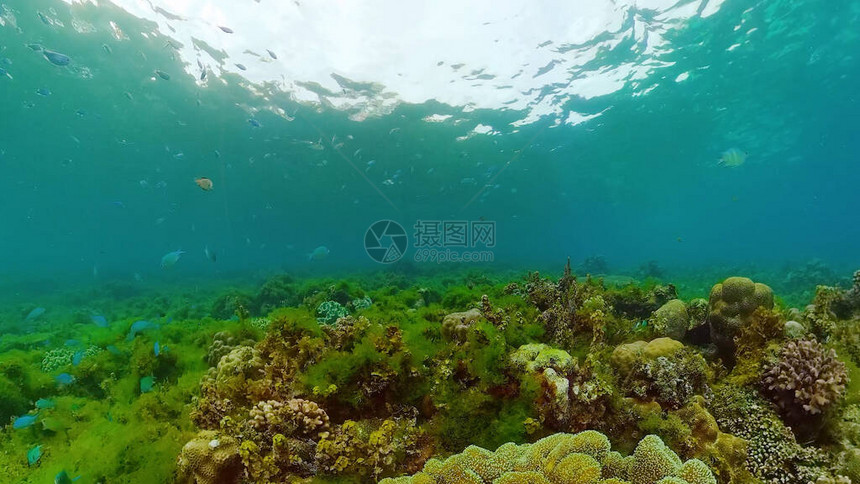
(806, 378)
(209, 459)
(731, 305)
(583, 458)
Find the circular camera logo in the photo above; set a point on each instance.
(385, 241)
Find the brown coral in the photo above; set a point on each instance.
(731, 305)
(805, 379)
(295, 417)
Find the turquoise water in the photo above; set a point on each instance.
(99, 175)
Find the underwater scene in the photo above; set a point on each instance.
(352, 241)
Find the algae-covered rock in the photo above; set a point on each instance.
(535, 357)
(731, 305)
(671, 319)
(794, 330)
(626, 356)
(455, 325)
(210, 458)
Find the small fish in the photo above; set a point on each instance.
(45, 20)
(203, 75)
(319, 253)
(5, 73)
(56, 58)
(78, 356)
(156, 348)
(107, 49)
(162, 75)
(732, 157)
(271, 54)
(139, 326)
(209, 254)
(171, 258)
(45, 403)
(65, 379)
(146, 384)
(35, 314)
(113, 350)
(24, 421)
(99, 320)
(253, 122)
(35, 47)
(226, 30)
(640, 325)
(43, 92)
(241, 67)
(63, 478)
(34, 454)
(54, 424)
(204, 183)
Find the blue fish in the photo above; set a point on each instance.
(76, 359)
(139, 326)
(45, 403)
(72, 342)
(65, 379)
(35, 313)
(63, 478)
(146, 384)
(34, 454)
(99, 320)
(113, 349)
(24, 421)
(253, 122)
(43, 92)
(157, 348)
(56, 58)
(640, 325)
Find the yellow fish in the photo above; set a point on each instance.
(732, 157)
(204, 183)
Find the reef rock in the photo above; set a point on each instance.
(731, 305)
(455, 325)
(671, 319)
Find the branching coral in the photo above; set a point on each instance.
(583, 458)
(806, 378)
(295, 417)
(369, 449)
(773, 455)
